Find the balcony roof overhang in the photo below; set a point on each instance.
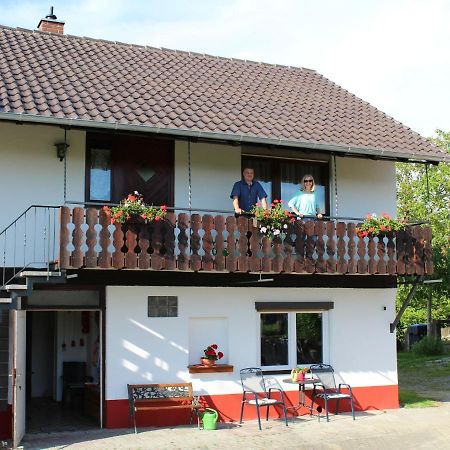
(342, 150)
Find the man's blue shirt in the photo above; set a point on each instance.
(248, 195)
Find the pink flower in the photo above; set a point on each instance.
(157, 218)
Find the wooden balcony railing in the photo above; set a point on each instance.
(184, 242)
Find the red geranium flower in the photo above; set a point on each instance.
(220, 355)
(214, 346)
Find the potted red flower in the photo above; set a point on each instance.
(211, 355)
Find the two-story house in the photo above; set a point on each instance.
(89, 306)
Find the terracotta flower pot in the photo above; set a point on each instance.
(208, 362)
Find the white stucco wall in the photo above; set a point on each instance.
(30, 172)
(140, 349)
(214, 169)
(364, 186)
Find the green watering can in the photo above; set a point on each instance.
(209, 419)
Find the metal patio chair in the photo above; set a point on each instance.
(253, 385)
(327, 388)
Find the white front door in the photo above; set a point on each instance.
(18, 375)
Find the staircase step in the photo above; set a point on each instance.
(16, 287)
(39, 273)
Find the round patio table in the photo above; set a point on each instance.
(301, 391)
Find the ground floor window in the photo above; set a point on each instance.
(292, 338)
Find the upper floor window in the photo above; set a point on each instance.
(100, 174)
(281, 178)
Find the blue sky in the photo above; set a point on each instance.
(394, 54)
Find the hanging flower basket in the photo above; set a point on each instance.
(379, 226)
(132, 209)
(274, 221)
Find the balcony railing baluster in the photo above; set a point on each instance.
(218, 243)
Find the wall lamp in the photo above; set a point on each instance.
(61, 150)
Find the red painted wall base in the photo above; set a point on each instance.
(228, 406)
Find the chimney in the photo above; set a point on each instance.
(51, 24)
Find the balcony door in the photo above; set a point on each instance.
(120, 164)
(281, 178)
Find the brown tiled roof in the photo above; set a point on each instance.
(45, 76)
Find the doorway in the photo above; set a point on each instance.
(64, 370)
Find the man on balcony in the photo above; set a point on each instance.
(247, 192)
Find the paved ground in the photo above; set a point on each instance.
(408, 429)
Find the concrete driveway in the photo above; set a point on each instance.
(427, 428)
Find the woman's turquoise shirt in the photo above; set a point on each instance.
(305, 203)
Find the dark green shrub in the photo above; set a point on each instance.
(428, 346)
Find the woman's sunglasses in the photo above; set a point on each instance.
(308, 181)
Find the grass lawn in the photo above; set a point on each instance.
(423, 380)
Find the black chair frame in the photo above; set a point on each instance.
(328, 390)
(259, 402)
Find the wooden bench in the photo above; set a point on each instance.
(155, 397)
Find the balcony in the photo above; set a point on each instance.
(218, 243)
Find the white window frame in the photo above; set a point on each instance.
(292, 338)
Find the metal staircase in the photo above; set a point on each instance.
(29, 253)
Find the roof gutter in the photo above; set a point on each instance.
(239, 138)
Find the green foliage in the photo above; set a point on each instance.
(413, 370)
(428, 346)
(422, 201)
(410, 399)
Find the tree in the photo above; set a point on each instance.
(425, 198)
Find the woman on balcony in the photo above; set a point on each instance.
(305, 203)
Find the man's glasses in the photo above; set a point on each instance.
(308, 181)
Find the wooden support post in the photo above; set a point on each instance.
(429, 306)
(405, 303)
